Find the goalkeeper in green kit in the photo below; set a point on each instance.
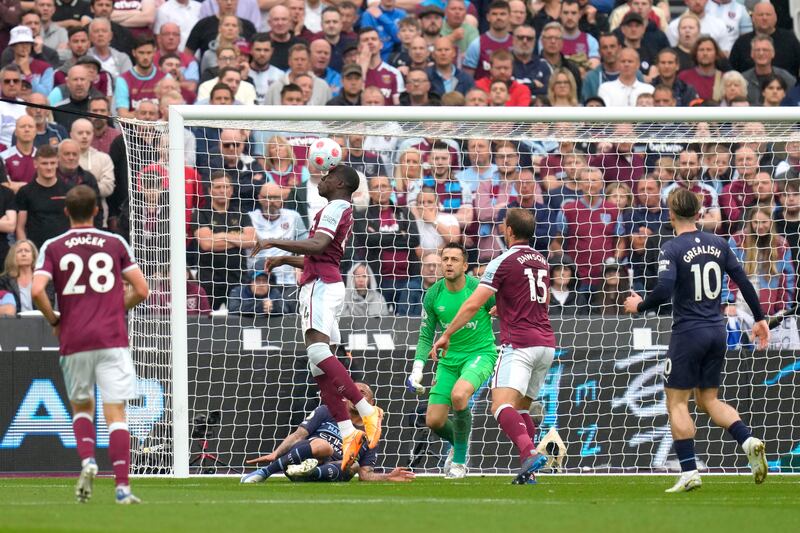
(469, 362)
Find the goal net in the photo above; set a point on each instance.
(221, 362)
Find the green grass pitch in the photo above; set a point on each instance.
(731, 504)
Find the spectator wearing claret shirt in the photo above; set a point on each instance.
(297, 21)
(19, 158)
(169, 41)
(138, 83)
(502, 70)
(579, 47)
(705, 77)
(689, 176)
(621, 163)
(589, 228)
(476, 60)
(390, 238)
(384, 17)
(104, 134)
(378, 73)
(37, 72)
(740, 193)
(137, 16)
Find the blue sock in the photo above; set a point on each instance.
(740, 432)
(299, 453)
(684, 449)
(326, 472)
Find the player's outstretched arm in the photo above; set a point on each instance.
(140, 290)
(313, 246)
(465, 313)
(400, 475)
(292, 439)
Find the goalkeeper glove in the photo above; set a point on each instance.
(414, 381)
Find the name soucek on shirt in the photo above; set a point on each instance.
(86, 266)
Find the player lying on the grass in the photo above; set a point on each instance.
(321, 301)
(690, 271)
(469, 362)
(88, 267)
(313, 452)
(519, 280)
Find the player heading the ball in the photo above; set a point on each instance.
(690, 269)
(321, 301)
(469, 361)
(87, 267)
(519, 280)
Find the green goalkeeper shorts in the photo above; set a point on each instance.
(476, 369)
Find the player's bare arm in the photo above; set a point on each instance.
(400, 475)
(313, 246)
(292, 439)
(139, 289)
(467, 311)
(295, 261)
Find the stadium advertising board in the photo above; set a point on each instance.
(248, 390)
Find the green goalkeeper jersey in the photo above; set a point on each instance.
(439, 308)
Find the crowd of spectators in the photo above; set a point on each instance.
(599, 204)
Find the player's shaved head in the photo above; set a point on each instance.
(521, 222)
(81, 203)
(348, 176)
(683, 204)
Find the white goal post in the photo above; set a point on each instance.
(604, 397)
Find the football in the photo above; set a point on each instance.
(325, 154)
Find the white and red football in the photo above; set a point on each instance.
(324, 154)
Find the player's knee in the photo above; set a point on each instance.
(498, 406)
(459, 399)
(434, 420)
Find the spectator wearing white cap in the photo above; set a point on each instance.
(38, 73)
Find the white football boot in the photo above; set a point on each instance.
(448, 462)
(301, 470)
(756, 456)
(457, 471)
(83, 488)
(688, 481)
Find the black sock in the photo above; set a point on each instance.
(684, 449)
(740, 432)
(299, 453)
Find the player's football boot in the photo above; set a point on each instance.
(531, 465)
(351, 447)
(83, 488)
(457, 471)
(688, 481)
(757, 457)
(448, 462)
(301, 470)
(372, 427)
(126, 497)
(256, 476)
